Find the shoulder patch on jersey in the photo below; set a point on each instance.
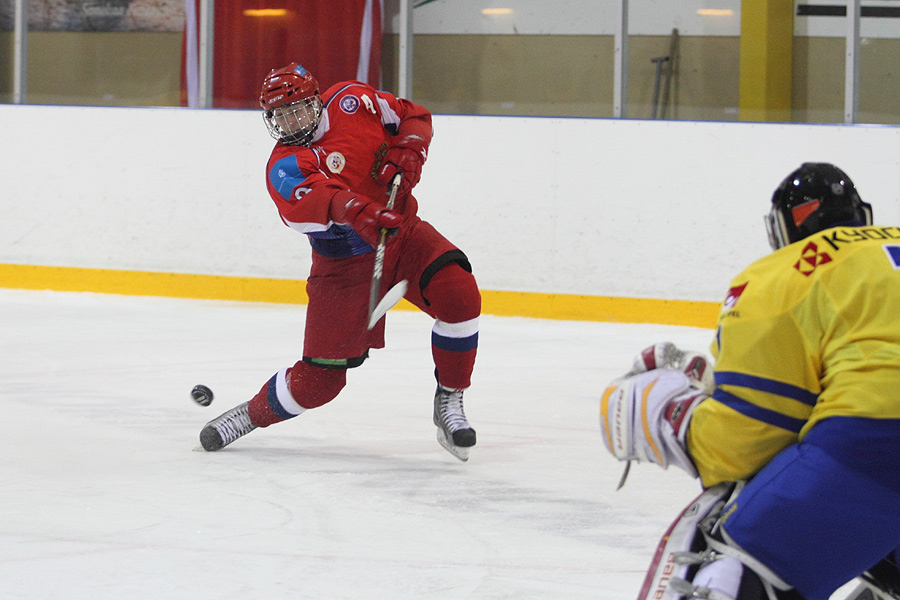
(893, 254)
(733, 295)
(349, 104)
(335, 162)
(284, 176)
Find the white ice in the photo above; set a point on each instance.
(104, 494)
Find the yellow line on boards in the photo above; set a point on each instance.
(573, 307)
(145, 283)
(289, 291)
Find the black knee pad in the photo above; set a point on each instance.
(450, 291)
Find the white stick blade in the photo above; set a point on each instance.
(392, 297)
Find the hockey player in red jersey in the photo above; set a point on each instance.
(329, 175)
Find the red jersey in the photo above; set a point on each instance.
(346, 153)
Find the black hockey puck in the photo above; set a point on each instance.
(202, 395)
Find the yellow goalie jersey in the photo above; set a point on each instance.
(808, 332)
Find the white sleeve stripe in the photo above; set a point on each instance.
(283, 393)
(307, 227)
(456, 330)
(388, 116)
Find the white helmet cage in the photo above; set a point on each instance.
(776, 229)
(295, 124)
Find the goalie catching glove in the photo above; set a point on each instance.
(645, 417)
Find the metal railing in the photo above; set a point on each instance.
(405, 71)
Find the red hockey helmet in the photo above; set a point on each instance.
(291, 104)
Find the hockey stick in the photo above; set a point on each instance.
(377, 309)
(391, 297)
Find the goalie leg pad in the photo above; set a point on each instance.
(680, 542)
(883, 579)
(727, 578)
(690, 562)
(722, 576)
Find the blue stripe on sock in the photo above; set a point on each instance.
(454, 344)
(274, 404)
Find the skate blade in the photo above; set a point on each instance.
(460, 453)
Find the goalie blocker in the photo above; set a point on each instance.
(645, 418)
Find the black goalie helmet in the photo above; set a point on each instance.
(811, 199)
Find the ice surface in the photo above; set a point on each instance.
(104, 494)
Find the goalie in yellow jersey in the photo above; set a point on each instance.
(797, 441)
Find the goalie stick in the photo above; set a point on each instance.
(377, 309)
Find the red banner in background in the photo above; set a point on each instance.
(335, 41)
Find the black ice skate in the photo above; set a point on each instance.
(226, 428)
(453, 430)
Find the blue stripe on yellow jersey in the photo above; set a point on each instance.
(806, 333)
(765, 385)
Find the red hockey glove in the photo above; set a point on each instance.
(406, 156)
(364, 215)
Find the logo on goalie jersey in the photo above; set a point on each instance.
(810, 259)
(732, 296)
